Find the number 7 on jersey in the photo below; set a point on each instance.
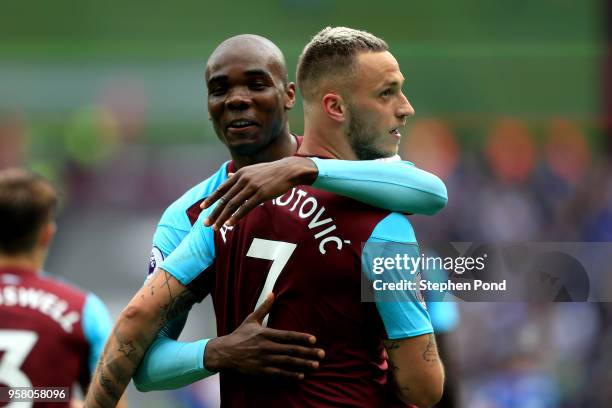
(279, 253)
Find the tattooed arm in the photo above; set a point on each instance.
(413, 357)
(161, 300)
(416, 368)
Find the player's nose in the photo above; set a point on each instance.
(405, 109)
(237, 100)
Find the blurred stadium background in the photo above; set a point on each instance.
(513, 108)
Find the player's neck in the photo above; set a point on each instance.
(32, 261)
(326, 143)
(283, 146)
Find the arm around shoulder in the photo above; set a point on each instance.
(395, 186)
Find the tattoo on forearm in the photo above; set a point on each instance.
(126, 348)
(120, 375)
(166, 282)
(178, 305)
(132, 349)
(101, 401)
(115, 368)
(149, 284)
(108, 386)
(431, 351)
(123, 353)
(113, 375)
(391, 345)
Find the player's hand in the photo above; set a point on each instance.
(256, 350)
(252, 185)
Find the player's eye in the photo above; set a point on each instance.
(387, 92)
(217, 90)
(257, 86)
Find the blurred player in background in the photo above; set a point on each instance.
(249, 96)
(51, 333)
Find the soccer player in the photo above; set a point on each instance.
(51, 333)
(249, 95)
(314, 239)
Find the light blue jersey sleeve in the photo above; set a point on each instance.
(403, 312)
(194, 255)
(391, 185)
(175, 224)
(97, 326)
(170, 364)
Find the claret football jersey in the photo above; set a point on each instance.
(305, 246)
(51, 333)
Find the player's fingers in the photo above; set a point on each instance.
(222, 205)
(233, 205)
(244, 209)
(262, 310)
(293, 363)
(291, 337)
(308, 353)
(218, 193)
(278, 372)
(210, 219)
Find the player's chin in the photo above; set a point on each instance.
(387, 143)
(244, 135)
(244, 146)
(390, 149)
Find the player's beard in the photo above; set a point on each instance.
(362, 138)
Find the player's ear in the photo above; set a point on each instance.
(333, 106)
(47, 234)
(290, 96)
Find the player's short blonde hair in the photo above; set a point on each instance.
(330, 54)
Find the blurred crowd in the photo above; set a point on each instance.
(519, 188)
